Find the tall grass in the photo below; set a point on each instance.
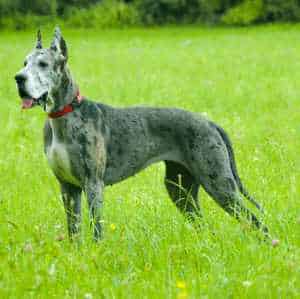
(246, 80)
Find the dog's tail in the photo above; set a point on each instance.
(241, 187)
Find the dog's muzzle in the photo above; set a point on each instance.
(29, 102)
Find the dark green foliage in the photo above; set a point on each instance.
(108, 13)
(64, 5)
(38, 7)
(165, 11)
(282, 10)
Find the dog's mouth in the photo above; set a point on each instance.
(29, 102)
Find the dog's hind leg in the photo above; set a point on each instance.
(212, 166)
(71, 196)
(183, 189)
(94, 193)
(225, 192)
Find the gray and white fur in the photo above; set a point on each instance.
(97, 145)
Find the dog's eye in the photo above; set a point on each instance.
(25, 63)
(43, 64)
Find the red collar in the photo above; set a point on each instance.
(66, 109)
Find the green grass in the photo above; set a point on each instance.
(247, 80)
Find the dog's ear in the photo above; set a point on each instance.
(59, 44)
(39, 40)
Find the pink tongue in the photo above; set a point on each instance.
(27, 103)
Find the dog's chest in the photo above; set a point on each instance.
(60, 162)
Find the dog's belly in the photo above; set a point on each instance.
(59, 161)
(118, 172)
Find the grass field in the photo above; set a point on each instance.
(247, 80)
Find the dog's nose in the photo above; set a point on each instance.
(20, 78)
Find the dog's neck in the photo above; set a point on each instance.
(64, 94)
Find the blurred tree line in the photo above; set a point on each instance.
(90, 13)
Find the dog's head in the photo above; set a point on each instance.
(43, 73)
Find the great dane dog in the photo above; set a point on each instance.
(90, 145)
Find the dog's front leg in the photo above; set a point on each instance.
(94, 193)
(71, 196)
